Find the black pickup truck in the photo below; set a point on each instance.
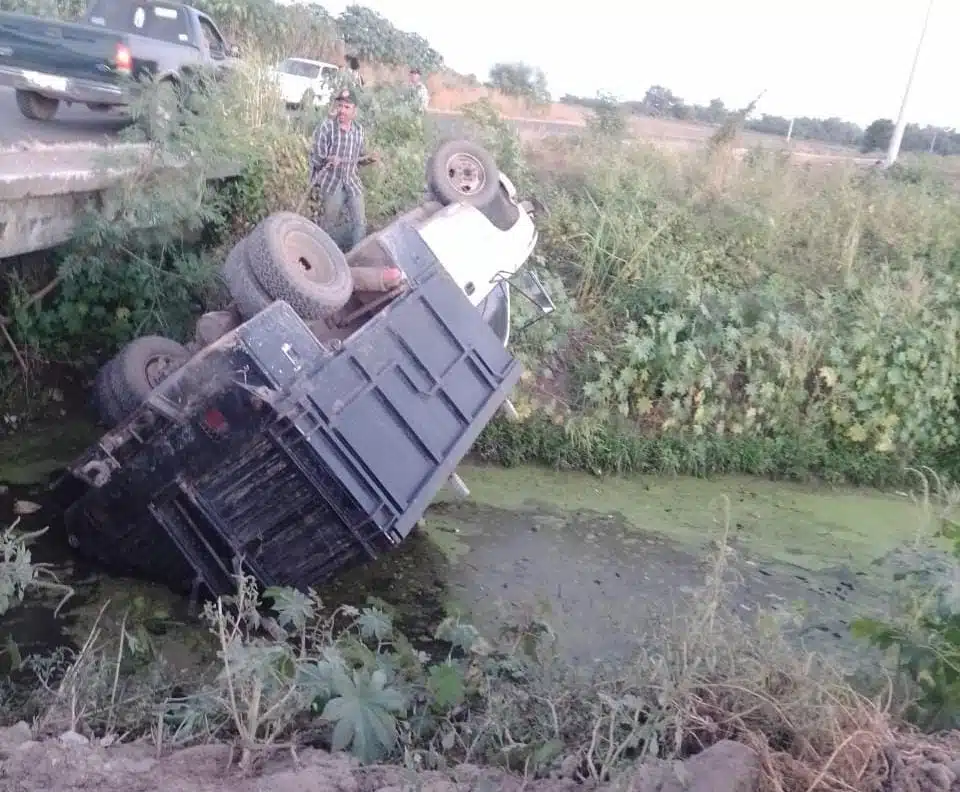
(101, 60)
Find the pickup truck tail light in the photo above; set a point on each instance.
(215, 421)
(124, 59)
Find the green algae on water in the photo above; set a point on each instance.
(813, 527)
(29, 456)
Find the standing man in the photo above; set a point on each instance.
(339, 147)
(421, 94)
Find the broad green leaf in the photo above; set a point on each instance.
(446, 685)
(294, 608)
(363, 714)
(315, 678)
(375, 624)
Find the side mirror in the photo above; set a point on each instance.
(234, 51)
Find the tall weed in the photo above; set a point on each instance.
(772, 302)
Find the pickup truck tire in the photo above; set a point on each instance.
(247, 294)
(295, 260)
(463, 172)
(36, 107)
(139, 367)
(106, 406)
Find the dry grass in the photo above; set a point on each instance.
(450, 93)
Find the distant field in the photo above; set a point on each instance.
(451, 94)
(668, 129)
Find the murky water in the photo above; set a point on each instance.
(599, 559)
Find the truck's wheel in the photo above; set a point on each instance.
(36, 107)
(463, 172)
(106, 406)
(140, 367)
(247, 294)
(295, 260)
(213, 326)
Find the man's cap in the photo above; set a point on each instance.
(347, 95)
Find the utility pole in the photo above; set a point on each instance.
(790, 130)
(901, 125)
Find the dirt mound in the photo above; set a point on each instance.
(72, 763)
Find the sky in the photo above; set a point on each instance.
(846, 58)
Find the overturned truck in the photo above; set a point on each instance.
(307, 428)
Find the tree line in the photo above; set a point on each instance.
(661, 102)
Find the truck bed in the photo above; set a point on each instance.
(289, 458)
(64, 49)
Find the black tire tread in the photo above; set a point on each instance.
(280, 280)
(105, 403)
(36, 107)
(129, 385)
(245, 290)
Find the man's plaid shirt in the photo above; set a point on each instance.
(331, 140)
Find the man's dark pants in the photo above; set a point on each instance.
(352, 233)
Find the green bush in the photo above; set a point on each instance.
(752, 304)
(372, 37)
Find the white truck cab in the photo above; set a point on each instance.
(296, 76)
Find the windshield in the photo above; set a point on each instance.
(161, 21)
(300, 68)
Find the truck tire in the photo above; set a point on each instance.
(36, 107)
(106, 406)
(247, 294)
(139, 367)
(295, 260)
(463, 172)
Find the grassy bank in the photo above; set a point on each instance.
(741, 314)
